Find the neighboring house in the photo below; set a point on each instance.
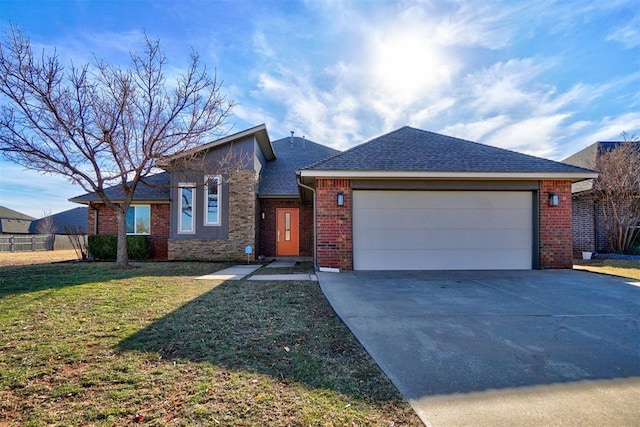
(65, 222)
(13, 222)
(588, 222)
(410, 199)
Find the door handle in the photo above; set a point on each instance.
(278, 238)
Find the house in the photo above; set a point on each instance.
(13, 222)
(256, 203)
(410, 199)
(588, 222)
(413, 199)
(67, 222)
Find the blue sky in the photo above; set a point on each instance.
(542, 77)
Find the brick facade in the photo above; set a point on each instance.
(555, 223)
(334, 224)
(267, 226)
(242, 227)
(108, 224)
(583, 226)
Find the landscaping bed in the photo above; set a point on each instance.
(89, 344)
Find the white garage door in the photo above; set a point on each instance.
(442, 230)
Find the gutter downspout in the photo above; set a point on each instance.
(300, 184)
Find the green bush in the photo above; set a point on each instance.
(105, 247)
(138, 247)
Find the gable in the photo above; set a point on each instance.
(411, 152)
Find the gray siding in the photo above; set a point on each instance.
(244, 149)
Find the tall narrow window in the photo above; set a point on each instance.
(186, 220)
(213, 193)
(287, 226)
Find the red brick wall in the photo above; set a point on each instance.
(267, 226)
(107, 224)
(335, 237)
(160, 219)
(584, 235)
(555, 225)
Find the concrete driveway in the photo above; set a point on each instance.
(495, 348)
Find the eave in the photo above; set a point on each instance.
(259, 132)
(573, 176)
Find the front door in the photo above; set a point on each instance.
(287, 240)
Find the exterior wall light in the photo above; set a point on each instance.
(340, 199)
(554, 200)
(263, 215)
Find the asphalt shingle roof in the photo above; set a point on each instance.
(65, 221)
(410, 149)
(158, 190)
(279, 175)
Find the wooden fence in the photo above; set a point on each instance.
(26, 243)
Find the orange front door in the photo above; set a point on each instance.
(287, 241)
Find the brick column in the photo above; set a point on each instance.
(556, 248)
(335, 237)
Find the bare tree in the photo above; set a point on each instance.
(46, 224)
(101, 125)
(47, 227)
(78, 239)
(617, 191)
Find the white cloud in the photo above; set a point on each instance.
(476, 131)
(536, 136)
(628, 35)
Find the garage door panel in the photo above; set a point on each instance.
(439, 260)
(439, 218)
(417, 239)
(442, 230)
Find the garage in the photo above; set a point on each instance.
(442, 230)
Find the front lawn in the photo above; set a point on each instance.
(88, 344)
(614, 267)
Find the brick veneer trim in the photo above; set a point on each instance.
(334, 224)
(555, 225)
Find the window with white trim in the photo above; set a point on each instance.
(185, 207)
(138, 219)
(213, 195)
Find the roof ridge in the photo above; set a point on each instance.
(352, 149)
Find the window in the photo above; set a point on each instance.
(185, 208)
(213, 193)
(139, 219)
(287, 226)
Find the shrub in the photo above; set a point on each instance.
(105, 247)
(138, 247)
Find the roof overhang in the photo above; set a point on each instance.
(536, 176)
(134, 202)
(278, 196)
(259, 132)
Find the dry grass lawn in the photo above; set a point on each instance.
(613, 267)
(90, 344)
(40, 257)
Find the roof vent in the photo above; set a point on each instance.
(291, 140)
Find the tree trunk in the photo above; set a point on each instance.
(122, 260)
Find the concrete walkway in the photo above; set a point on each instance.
(293, 276)
(489, 348)
(237, 272)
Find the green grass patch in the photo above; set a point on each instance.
(90, 344)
